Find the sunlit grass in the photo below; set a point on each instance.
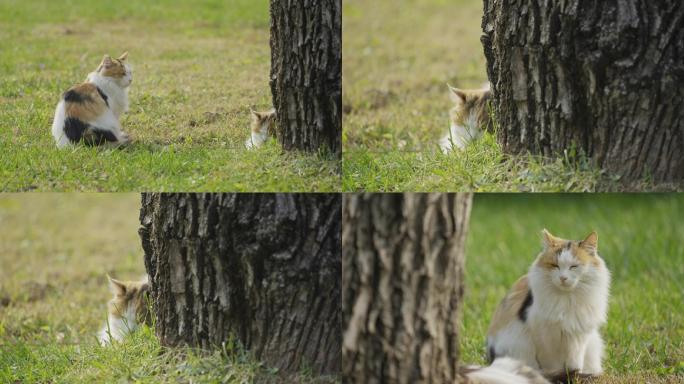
(199, 66)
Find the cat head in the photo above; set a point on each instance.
(566, 263)
(116, 69)
(470, 107)
(130, 301)
(263, 122)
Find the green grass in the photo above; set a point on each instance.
(55, 252)
(640, 238)
(199, 66)
(481, 167)
(398, 57)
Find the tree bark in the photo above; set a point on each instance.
(402, 278)
(306, 73)
(604, 77)
(264, 268)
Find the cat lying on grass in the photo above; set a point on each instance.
(90, 112)
(468, 117)
(551, 317)
(127, 310)
(263, 127)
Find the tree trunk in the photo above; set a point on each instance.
(402, 276)
(604, 77)
(306, 73)
(264, 268)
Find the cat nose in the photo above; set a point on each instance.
(563, 279)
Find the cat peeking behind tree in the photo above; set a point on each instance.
(468, 117)
(127, 309)
(263, 127)
(551, 317)
(90, 112)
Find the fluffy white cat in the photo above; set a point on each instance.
(552, 316)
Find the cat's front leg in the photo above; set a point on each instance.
(575, 352)
(593, 354)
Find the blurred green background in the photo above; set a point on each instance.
(640, 238)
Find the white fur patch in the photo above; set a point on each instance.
(258, 138)
(505, 371)
(115, 89)
(58, 126)
(117, 328)
(458, 136)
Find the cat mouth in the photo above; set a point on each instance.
(565, 286)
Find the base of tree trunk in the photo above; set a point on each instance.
(264, 268)
(601, 78)
(306, 73)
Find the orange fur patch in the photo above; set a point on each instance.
(548, 259)
(113, 67)
(471, 100)
(258, 118)
(92, 106)
(507, 311)
(130, 292)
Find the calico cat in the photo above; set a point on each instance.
(127, 309)
(551, 317)
(90, 112)
(263, 127)
(468, 117)
(503, 370)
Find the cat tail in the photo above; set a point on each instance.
(504, 370)
(93, 136)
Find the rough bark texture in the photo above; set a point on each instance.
(402, 279)
(264, 268)
(306, 73)
(604, 76)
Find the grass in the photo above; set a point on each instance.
(199, 66)
(398, 57)
(640, 240)
(55, 252)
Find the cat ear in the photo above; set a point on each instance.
(590, 243)
(255, 114)
(550, 240)
(106, 60)
(123, 56)
(456, 95)
(116, 287)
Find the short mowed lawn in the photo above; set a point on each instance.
(640, 238)
(198, 68)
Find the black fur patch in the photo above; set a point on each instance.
(75, 97)
(522, 312)
(95, 136)
(491, 355)
(102, 94)
(74, 128)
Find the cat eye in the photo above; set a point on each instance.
(555, 266)
(573, 266)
